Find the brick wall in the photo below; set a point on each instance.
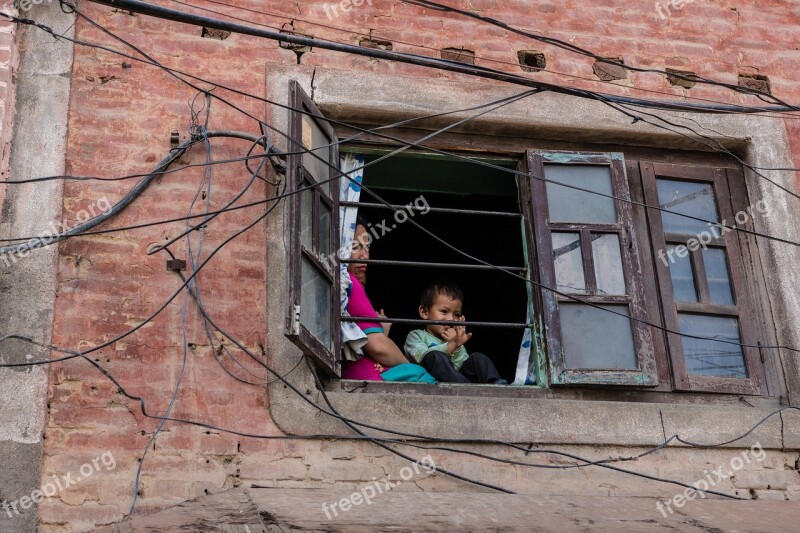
(122, 113)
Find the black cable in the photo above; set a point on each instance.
(174, 72)
(372, 35)
(144, 8)
(721, 148)
(582, 51)
(527, 280)
(601, 98)
(467, 441)
(130, 196)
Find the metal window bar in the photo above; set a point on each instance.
(423, 264)
(419, 321)
(469, 212)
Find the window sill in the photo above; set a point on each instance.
(527, 414)
(572, 393)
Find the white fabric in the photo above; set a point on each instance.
(526, 369)
(353, 339)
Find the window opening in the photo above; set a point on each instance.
(476, 209)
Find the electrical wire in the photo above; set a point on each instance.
(582, 51)
(361, 130)
(204, 263)
(373, 36)
(524, 278)
(144, 8)
(173, 72)
(275, 198)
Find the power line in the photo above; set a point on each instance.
(144, 8)
(372, 35)
(582, 51)
(651, 324)
(189, 285)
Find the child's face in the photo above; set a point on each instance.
(443, 308)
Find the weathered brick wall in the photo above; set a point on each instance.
(8, 59)
(122, 113)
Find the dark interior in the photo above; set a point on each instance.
(490, 296)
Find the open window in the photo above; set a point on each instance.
(312, 236)
(607, 275)
(472, 207)
(596, 317)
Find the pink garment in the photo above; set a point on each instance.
(359, 305)
(365, 369)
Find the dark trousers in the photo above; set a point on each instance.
(476, 369)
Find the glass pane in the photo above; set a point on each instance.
(595, 339)
(571, 205)
(689, 198)
(608, 264)
(314, 138)
(324, 229)
(680, 270)
(315, 303)
(568, 262)
(708, 357)
(306, 216)
(719, 283)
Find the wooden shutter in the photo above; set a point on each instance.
(312, 226)
(588, 252)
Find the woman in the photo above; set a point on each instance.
(380, 352)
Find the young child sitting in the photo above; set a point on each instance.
(440, 348)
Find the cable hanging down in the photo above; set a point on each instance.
(188, 286)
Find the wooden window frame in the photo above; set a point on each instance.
(719, 179)
(646, 373)
(298, 177)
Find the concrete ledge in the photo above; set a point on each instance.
(260, 510)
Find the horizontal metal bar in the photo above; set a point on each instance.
(393, 262)
(421, 322)
(433, 209)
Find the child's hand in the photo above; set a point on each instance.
(456, 337)
(461, 333)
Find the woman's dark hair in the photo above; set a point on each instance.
(361, 220)
(436, 288)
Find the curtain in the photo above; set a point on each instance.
(526, 369)
(349, 191)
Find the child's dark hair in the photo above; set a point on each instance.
(436, 288)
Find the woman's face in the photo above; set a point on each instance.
(360, 250)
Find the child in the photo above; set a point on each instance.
(440, 348)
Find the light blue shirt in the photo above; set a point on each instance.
(420, 341)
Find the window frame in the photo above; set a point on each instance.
(646, 374)
(298, 176)
(741, 285)
(633, 182)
